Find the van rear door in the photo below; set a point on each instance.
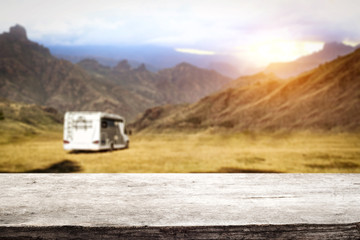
(83, 130)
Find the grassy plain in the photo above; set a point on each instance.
(301, 152)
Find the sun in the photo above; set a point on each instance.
(282, 51)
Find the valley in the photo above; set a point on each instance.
(185, 119)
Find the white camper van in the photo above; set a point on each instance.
(94, 131)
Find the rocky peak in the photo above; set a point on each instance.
(92, 65)
(18, 32)
(141, 67)
(89, 63)
(15, 44)
(336, 46)
(123, 66)
(184, 66)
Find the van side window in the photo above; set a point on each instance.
(107, 123)
(111, 123)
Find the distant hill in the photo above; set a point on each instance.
(187, 83)
(20, 120)
(31, 114)
(108, 62)
(180, 84)
(294, 68)
(326, 98)
(154, 57)
(227, 69)
(30, 74)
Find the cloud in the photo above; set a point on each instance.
(222, 26)
(194, 51)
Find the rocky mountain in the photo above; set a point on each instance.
(326, 98)
(30, 74)
(187, 83)
(294, 68)
(155, 57)
(180, 84)
(108, 62)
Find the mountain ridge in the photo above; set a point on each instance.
(30, 74)
(326, 98)
(330, 51)
(179, 84)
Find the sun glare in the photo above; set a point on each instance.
(282, 51)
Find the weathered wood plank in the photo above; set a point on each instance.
(211, 205)
(299, 231)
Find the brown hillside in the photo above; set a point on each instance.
(253, 79)
(326, 98)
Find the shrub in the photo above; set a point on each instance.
(2, 117)
(194, 120)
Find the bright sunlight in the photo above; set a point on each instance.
(282, 51)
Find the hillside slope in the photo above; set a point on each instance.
(19, 120)
(306, 63)
(326, 98)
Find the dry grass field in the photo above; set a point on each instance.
(301, 152)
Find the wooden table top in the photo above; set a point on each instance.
(178, 200)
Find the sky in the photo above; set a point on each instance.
(260, 30)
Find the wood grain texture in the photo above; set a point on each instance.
(202, 206)
(297, 231)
